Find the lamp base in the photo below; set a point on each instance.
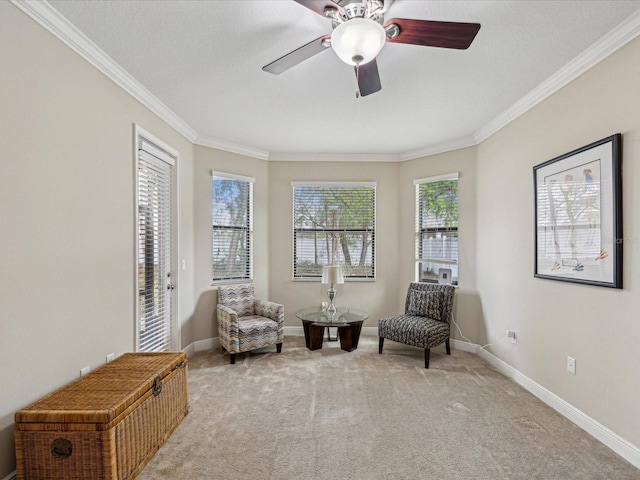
(331, 309)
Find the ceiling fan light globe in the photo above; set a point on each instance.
(358, 41)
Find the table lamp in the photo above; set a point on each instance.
(332, 275)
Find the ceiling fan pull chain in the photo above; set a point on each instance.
(358, 80)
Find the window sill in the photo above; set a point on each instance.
(346, 280)
(231, 282)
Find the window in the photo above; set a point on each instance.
(437, 229)
(232, 222)
(334, 223)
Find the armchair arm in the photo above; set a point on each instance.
(228, 329)
(227, 315)
(273, 311)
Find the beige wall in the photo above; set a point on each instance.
(597, 326)
(379, 298)
(207, 159)
(67, 216)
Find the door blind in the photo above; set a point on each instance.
(154, 252)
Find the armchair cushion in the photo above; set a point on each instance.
(255, 325)
(413, 330)
(425, 304)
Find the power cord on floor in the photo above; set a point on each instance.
(483, 347)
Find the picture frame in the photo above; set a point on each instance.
(578, 215)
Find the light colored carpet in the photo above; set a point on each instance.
(331, 414)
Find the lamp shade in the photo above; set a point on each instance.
(358, 41)
(332, 275)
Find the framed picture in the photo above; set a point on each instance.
(578, 215)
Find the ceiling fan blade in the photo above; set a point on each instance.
(434, 34)
(299, 55)
(368, 78)
(319, 6)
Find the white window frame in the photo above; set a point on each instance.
(343, 184)
(215, 174)
(170, 155)
(419, 230)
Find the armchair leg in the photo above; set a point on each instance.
(446, 344)
(232, 358)
(279, 347)
(427, 351)
(380, 343)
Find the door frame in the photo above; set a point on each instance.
(141, 133)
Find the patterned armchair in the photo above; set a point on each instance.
(426, 319)
(245, 323)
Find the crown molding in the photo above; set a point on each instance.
(49, 18)
(334, 157)
(439, 148)
(232, 147)
(616, 39)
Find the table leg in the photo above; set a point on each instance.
(316, 334)
(356, 328)
(346, 340)
(305, 328)
(349, 336)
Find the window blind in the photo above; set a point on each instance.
(232, 223)
(154, 250)
(437, 227)
(334, 223)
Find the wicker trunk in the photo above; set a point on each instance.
(106, 425)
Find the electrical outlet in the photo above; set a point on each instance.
(512, 335)
(110, 357)
(571, 365)
(84, 371)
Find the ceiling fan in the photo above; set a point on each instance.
(360, 31)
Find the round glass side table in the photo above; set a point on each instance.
(347, 320)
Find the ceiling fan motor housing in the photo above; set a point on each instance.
(371, 9)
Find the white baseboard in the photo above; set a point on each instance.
(615, 442)
(464, 346)
(373, 331)
(12, 476)
(293, 331)
(201, 345)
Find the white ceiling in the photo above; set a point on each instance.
(203, 60)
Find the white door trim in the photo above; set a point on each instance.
(141, 133)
